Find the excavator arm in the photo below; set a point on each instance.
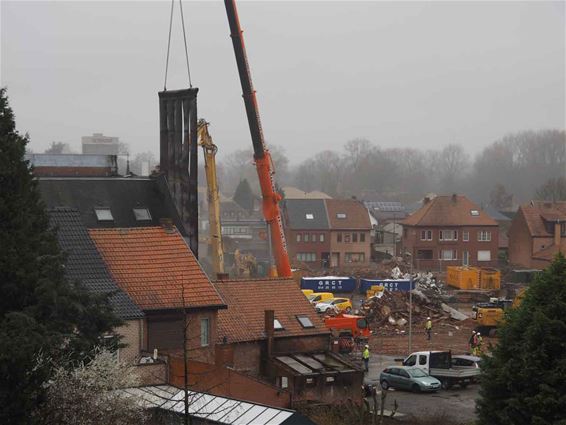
(215, 229)
(263, 163)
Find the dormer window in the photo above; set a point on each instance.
(103, 214)
(305, 322)
(341, 215)
(277, 325)
(474, 213)
(309, 216)
(142, 214)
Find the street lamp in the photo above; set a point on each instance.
(408, 254)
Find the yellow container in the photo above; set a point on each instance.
(463, 277)
(374, 289)
(490, 278)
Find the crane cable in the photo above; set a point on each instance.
(169, 44)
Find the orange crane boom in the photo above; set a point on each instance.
(263, 162)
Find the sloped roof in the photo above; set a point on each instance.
(535, 211)
(295, 193)
(85, 264)
(247, 300)
(155, 266)
(550, 252)
(449, 210)
(120, 194)
(356, 214)
(297, 210)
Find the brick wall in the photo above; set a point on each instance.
(131, 333)
(520, 242)
(317, 247)
(347, 246)
(247, 357)
(153, 373)
(303, 344)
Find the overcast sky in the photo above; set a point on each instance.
(397, 73)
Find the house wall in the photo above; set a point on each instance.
(317, 247)
(165, 332)
(247, 357)
(132, 337)
(412, 243)
(305, 344)
(342, 248)
(520, 242)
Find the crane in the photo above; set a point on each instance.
(215, 231)
(262, 157)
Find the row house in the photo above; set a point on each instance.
(537, 234)
(450, 231)
(327, 232)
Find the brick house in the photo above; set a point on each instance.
(450, 231)
(271, 331)
(350, 228)
(156, 268)
(537, 234)
(327, 232)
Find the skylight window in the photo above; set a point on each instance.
(309, 216)
(305, 322)
(475, 213)
(103, 214)
(341, 215)
(142, 214)
(277, 325)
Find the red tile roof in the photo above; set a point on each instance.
(550, 252)
(535, 211)
(356, 214)
(247, 300)
(450, 210)
(155, 266)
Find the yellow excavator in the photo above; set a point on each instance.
(488, 316)
(215, 229)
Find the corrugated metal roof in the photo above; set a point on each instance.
(216, 409)
(85, 264)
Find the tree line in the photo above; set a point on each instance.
(514, 169)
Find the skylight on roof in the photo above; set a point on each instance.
(309, 216)
(142, 214)
(305, 322)
(340, 215)
(277, 325)
(103, 214)
(475, 213)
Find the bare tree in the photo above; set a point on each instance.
(552, 190)
(58, 147)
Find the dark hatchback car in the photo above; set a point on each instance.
(408, 378)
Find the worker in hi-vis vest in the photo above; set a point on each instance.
(365, 357)
(428, 327)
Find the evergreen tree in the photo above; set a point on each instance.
(44, 318)
(244, 196)
(524, 381)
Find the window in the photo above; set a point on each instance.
(309, 216)
(362, 237)
(475, 213)
(321, 237)
(411, 361)
(354, 237)
(307, 237)
(484, 236)
(204, 328)
(339, 237)
(341, 215)
(311, 382)
(448, 235)
(484, 255)
(426, 235)
(466, 258)
(313, 237)
(448, 254)
(305, 322)
(284, 382)
(422, 360)
(329, 379)
(235, 230)
(103, 214)
(277, 325)
(307, 257)
(298, 237)
(355, 257)
(424, 254)
(347, 237)
(465, 236)
(142, 214)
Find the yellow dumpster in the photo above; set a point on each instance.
(462, 277)
(490, 278)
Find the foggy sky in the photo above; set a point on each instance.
(399, 74)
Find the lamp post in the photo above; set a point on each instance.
(408, 254)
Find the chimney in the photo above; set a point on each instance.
(269, 331)
(224, 354)
(222, 276)
(167, 225)
(454, 198)
(426, 200)
(557, 228)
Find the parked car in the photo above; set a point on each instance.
(408, 378)
(318, 297)
(439, 364)
(307, 292)
(334, 304)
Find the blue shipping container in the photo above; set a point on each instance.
(329, 284)
(393, 285)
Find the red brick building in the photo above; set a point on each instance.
(537, 234)
(156, 268)
(450, 231)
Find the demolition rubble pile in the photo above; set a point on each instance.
(388, 312)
